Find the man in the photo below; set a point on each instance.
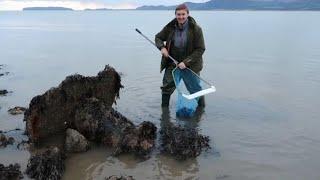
(182, 39)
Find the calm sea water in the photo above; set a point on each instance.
(263, 120)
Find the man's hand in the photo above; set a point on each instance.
(182, 65)
(164, 52)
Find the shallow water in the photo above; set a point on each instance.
(263, 120)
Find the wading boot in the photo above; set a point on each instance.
(201, 102)
(165, 100)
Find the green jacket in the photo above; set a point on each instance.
(195, 44)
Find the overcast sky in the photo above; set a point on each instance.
(82, 4)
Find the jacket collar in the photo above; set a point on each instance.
(191, 22)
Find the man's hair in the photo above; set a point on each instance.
(182, 7)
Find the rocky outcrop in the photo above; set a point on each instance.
(54, 111)
(85, 105)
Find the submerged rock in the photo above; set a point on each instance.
(48, 165)
(183, 143)
(75, 142)
(119, 178)
(2, 74)
(3, 92)
(11, 172)
(17, 110)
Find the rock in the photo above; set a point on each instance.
(75, 142)
(140, 140)
(183, 143)
(119, 178)
(48, 165)
(3, 92)
(85, 105)
(107, 126)
(11, 172)
(5, 141)
(54, 111)
(2, 74)
(17, 110)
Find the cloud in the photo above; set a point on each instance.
(76, 5)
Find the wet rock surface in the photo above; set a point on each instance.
(75, 142)
(119, 178)
(11, 172)
(47, 165)
(5, 141)
(17, 110)
(183, 143)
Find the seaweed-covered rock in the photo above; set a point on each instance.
(85, 105)
(5, 141)
(52, 112)
(138, 140)
(48, 165)
(183, 143)
(75, 142)
(11, 172)
(17, 110)
(119, 178)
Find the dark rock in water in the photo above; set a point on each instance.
(183, 143)
(2, 74)
(53, 111)
(119, 178)
(3, 92)
(11, 172)
(48, 165)
(17, 110)
(105, 125)
(85, 105)
(140, 140)
(5, 141)
(75, 142)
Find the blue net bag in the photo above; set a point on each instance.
(186, 83)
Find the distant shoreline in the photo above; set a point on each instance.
(301, 10)
(46, 8)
